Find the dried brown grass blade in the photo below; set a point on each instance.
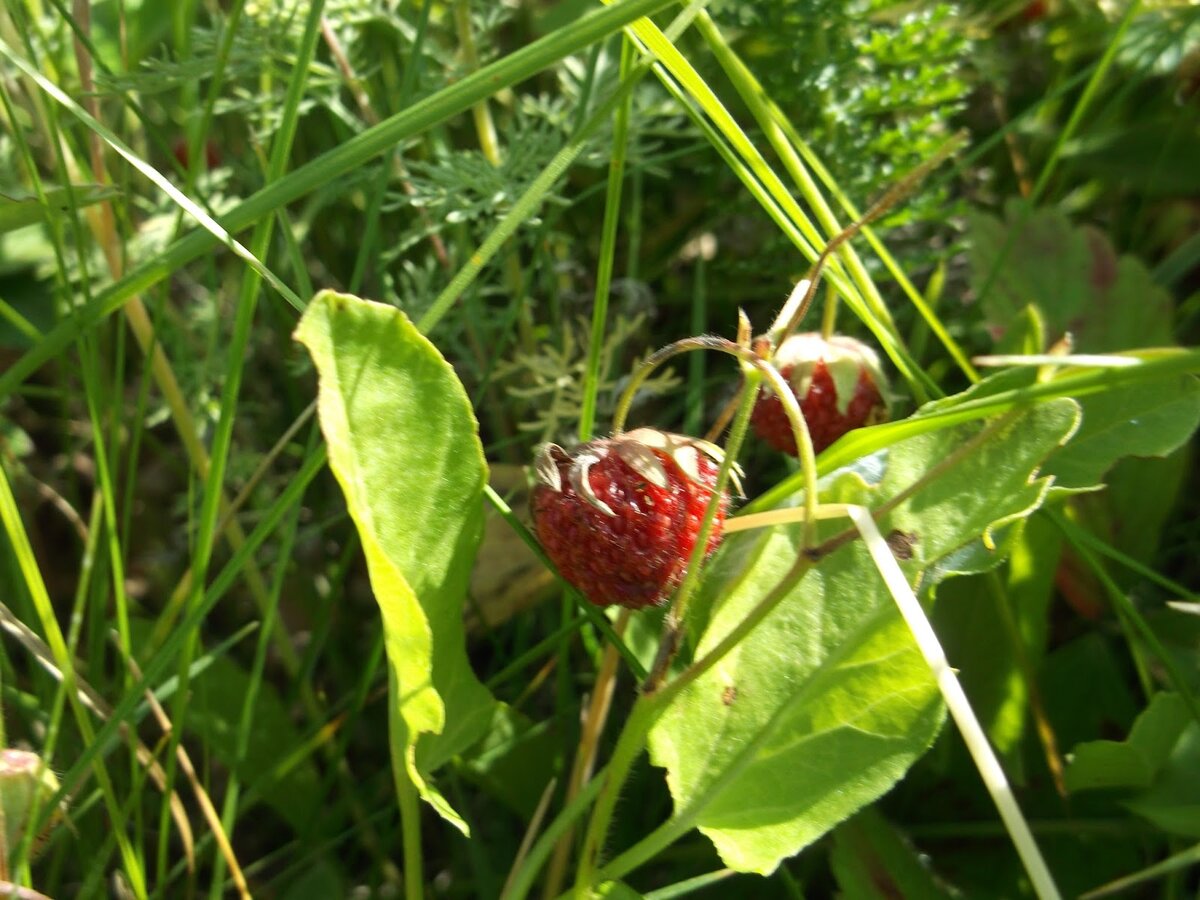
(206, 805)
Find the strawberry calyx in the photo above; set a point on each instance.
(844, 358)
(838, 383)
(639, 449)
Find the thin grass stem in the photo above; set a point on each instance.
(608, 248)
(956, 701)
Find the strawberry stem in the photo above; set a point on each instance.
(646, 711)
(795, 310)
(749, 357)
(672, 627)
(585, 754)
(829, 316)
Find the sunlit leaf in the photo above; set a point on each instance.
(827, 703)
(1149, 419)
(404, 446)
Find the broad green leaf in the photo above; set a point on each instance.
(1160, 761)
(1074, 277)
(405, 448)
(1037, 263)
(1136, 761)
(20, 208)
(872, 860)
(983, 478)
(1149, 419)
(1173, 801)
(827, 703)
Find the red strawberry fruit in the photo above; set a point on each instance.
(838, 382)
(620, 516)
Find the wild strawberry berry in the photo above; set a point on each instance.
(838, 383)
(620, 516)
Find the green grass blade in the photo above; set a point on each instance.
(608, 249)
(428, 112)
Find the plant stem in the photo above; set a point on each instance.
(829, 315)
(485, 128)
(808, 464)
(645, 712)
(585, 755)
(522, 879)
(647, 709)
(672, 628)
(406, 794)
(1133, 620)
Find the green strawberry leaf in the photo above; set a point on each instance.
(1148, 419)
(1071, 274)
(1136, 761)
(825, 705)
(1159, 762)
(405, 449)
(1172, 803)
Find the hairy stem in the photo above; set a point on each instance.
(673, 627)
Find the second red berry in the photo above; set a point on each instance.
(838, 383)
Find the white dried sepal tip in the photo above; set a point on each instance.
(683, 450)
(578, 474)
(644, 461)
(546, 467)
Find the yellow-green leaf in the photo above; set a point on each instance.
(404, 446)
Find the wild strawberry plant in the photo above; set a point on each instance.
(949, 652)
(805, 697)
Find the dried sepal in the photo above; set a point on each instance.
(639, 449)
(845, 358)
(578, 475)
(546, 466)
(681, 449)
(643, 460)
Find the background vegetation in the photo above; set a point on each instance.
(166, 506)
